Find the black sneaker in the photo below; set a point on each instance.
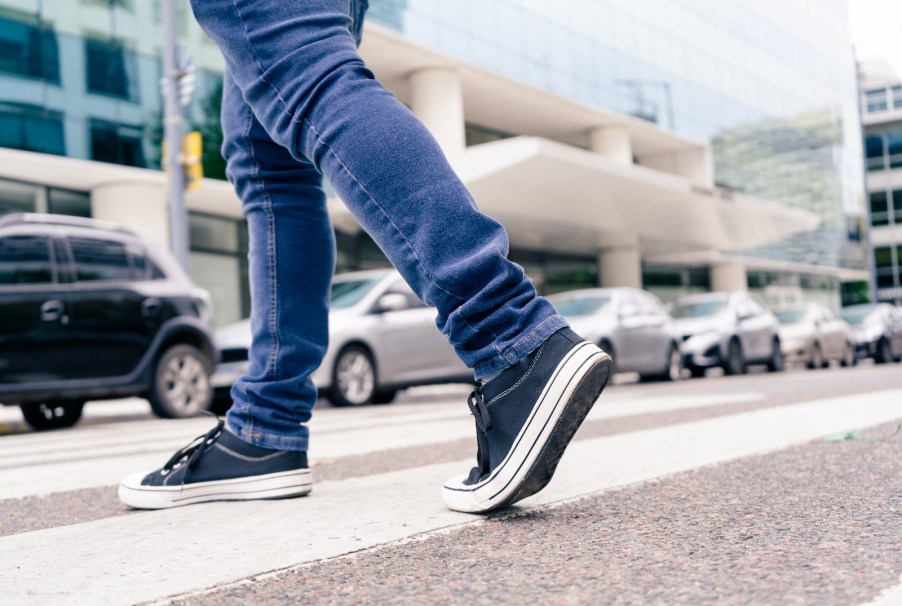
(525, 417)
(218, 466)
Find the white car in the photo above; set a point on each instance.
(629, 324)
(382, 338)
(730, 330)
(812, 334)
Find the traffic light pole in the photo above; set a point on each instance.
(172, 119)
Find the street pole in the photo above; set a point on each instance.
(172, 120)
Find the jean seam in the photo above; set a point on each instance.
(512, 349)
(272, 324)
(397, 229)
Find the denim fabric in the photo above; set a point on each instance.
(299, 102)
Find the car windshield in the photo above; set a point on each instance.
(581, 306)
(858, 313)
(699, 309)
(347, 293)
(790, 316)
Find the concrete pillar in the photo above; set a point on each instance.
(621, 266)
(613, 143)
(726, 277)
(139, 207)
(437, 99)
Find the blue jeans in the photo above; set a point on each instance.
(299, 103)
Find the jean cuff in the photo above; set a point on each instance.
(251, 435)
(522, 348)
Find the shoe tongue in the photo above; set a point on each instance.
(508, 377)
(236, 444)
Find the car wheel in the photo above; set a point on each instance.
(385, 396)
(735, 363)
(848, 358)
(696, 372)
(353, 377)
(776, 361)
(884, 354)
(181, 383)
(42, 416)
(674, 370)
(816, 360)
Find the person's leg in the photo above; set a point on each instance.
(291, 261)
(260, 451)
(298, 68)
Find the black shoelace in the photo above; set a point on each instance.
(193, 451)
(480, 412)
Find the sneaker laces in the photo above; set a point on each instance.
(480, 412)
(193, 451)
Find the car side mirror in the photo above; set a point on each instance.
(391, 302)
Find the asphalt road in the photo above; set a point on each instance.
(714, 491)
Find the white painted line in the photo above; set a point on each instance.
(149, 556)
(888, 597)
(101, 455)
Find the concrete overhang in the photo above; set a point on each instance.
(540, 189)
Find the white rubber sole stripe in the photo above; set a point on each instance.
(509, 476)
(270, 486)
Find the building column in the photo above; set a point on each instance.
(727, 277)
(438, 101)
(613, 143)
(621, 266)
(139, 207)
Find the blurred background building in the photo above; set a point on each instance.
(881, 104)
(677, 145)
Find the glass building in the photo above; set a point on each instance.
(763, 91)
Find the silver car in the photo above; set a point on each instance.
(730, 330)
(878, 331)
(382, 338)
(813, 335)
(630, 324)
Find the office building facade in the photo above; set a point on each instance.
(679, 146)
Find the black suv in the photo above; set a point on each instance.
(90, 311)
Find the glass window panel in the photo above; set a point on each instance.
(110, 69)
(117, 143)
(213, 233)
(25, 260)
(894, 148)
(17, 197)
(73, 203)
(28, 49)
(897, 96)
(220, 275)
(876, 100)
(883, 256)
(99, 260)
(31, 128)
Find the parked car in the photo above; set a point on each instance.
(730, 330)
(91, 311)
(878, 331)
(631, 325)
(382, 338)
(813, 335)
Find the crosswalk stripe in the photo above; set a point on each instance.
(171, 552)
(40, 464)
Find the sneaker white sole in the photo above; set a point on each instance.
(576, 384)
(270, 486)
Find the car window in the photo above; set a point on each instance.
(347, 293)
(791, 316)
(580, 306)
(752, 307)
(647, 304)
(25, 260)
(402, 288)
(99, 260)
(699, 309)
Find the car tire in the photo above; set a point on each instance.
(673, 371)
(884, 353)
(735, 362)
(353, 378)
(44, 416)
(816, 360)
(848, 357)
(776, 362)
(181, 383)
